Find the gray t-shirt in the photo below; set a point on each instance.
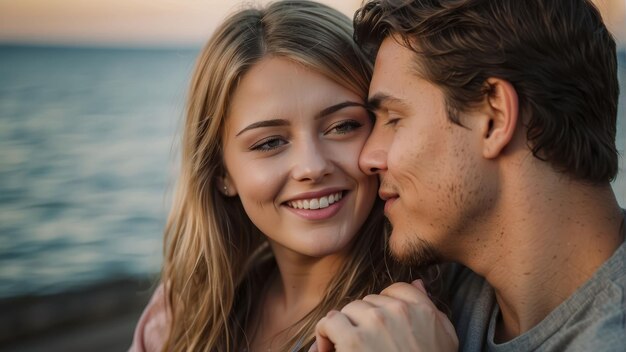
(592, 319)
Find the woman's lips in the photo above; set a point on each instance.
(320, 213)
(317, 202)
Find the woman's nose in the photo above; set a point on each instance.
(311, 163)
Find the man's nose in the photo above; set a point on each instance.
(373, 158)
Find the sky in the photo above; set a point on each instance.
(157, 22)
(121, 22)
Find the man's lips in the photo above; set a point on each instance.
(385, 195)
(389, 198)
(389, 203)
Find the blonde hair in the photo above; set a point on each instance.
(215, 258)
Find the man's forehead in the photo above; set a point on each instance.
(393, 67)
(391, 52)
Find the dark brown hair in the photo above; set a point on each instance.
(558, 55)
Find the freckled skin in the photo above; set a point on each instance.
(432, 164)
(479, 197)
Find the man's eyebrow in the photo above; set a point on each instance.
(264, 123)
(378, 100)
(334, 108)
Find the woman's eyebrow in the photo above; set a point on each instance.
(264, 123)
(281, 122)
(334, 108)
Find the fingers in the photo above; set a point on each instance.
(395, 304)
(409, 305)
(449, 329)
(407, 292)
(354, 312)
(409, 302)
(446, 323)
(401, 318)
(331, 330)
(378, 300)
(322, 344)
(419, 284)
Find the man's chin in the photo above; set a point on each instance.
(414, 252)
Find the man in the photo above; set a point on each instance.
(495, 145)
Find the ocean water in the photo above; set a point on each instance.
(87, 161)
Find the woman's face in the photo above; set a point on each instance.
(292, 141)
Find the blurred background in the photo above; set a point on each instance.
(91, 104)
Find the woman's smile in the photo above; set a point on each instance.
(317, 208)
(314, 202)
(301, 133)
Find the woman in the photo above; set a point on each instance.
(273, 224)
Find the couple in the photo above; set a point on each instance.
(487, 127)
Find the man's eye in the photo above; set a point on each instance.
(268, 144)
(392, 121)
(344, 127)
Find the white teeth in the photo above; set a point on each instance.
(316, 203)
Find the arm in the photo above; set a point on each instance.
(401, 318)
(153, 326)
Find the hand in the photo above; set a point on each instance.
(401, 318)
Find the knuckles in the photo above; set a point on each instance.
(377, 316)
(389, 291)
(400, 309)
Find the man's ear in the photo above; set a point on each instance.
(226, 186)
(503, 114)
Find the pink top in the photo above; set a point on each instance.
(153, 326)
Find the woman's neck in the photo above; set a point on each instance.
(303, 280)
(296, 290)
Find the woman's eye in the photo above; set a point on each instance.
(345, 127)
(268, 144)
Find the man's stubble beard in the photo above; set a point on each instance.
(415, 251)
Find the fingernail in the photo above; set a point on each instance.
(331, 313)
(419, 284)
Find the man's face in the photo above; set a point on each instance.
(433, 177)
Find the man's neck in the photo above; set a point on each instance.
(547, 242)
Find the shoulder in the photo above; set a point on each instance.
(603, 333)
(594, 318)
(603, 325)
(153, 326)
